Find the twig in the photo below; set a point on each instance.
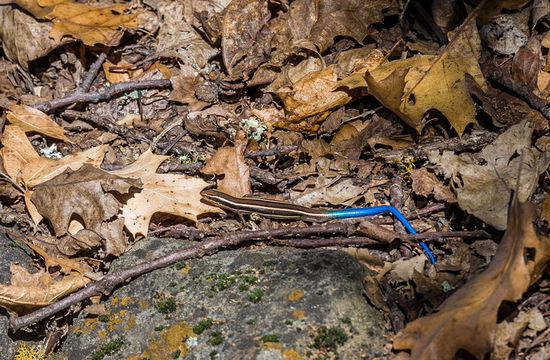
(165, 131)
(522, 90)
(322, 242)
(273, 151)
(445, 234)
(107, 124)
(102, 93)
(10, 180)
(92, 73)
(473, 142)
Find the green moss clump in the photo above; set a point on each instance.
(165, 305)
(256, 295)
(175, 354)
(108, 348)
(270, 338)
(329, 339)
(180, 265)
(216, 338)
(202, 325)
(103, 318)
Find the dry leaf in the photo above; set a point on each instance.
(17, 151)
(164, 193)
(230, 161)
(43, 169)
(87, 195)
(91, 25)
(467, 319)
(484, 190)
(425, 183)
(146, 164)
(413, 86)
(30, 119)
(29, 291)
(312, 95)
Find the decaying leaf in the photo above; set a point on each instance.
(484, 190)
(86, 194)
(164, 193)
(91, 25)
(30, 119)
(426, 184)
(230, 162)
(17, 151)
(467, 319)
(30, 291)
(411, 87)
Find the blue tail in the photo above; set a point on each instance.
(375, 210)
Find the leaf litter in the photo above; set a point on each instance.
(333, 87)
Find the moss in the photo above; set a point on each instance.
(103, 318)
(329, 339)
(159, 327)
(213, 354)
(108, 348)
(251, 320)
(271, 262)
(202, 325)
(243, 287)
(172, 284)
(180, 265)
(175, 354)
(256, 295)
(270, 338)
(216, 338)
(288, 322)
(165, 305)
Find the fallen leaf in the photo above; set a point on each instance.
(230, 162)
(164, 193)
(91, 25)
(87, 195)
(241, 33)
(411, 87)
(17, 151)
(484, 190)
(147, 163)
(425, 183)
(30, 119)
(467, 319)
(312, 95)
(29, 291)
(43, 169)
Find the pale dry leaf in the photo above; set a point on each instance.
(30, 119)
(467, 319)
(230, 161)
(43, 169)
(17, 151)
(30, 291)
(145, 164)
(484, 190)
(164, 193)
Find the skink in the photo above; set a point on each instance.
(281, 210)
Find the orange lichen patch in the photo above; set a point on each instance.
(114, 300)
(290, 354)
(143, 304)
(131, 323)
(169, 340)
(272, 346)
(186, 269)
(127, 300)
(296, 295)
(89, 325)
(102, 334)
(299, 313)
(116, 319)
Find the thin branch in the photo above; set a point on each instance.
(102, 93)
(10, 180)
